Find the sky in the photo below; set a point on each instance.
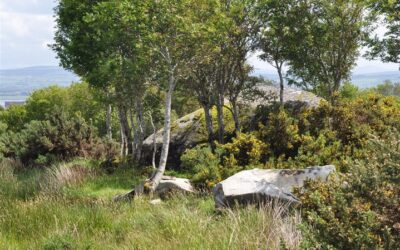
(27, 27)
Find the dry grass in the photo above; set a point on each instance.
(7, 167)
(276, 226)
(63, 175)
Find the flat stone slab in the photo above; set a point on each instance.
(260, 185)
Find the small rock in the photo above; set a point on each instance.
(156, 202)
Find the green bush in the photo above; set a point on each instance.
(281, 133)
(59, 138)
(359, 210)
(14, 117)
(208, 168)
(203, 165)
(245, 149)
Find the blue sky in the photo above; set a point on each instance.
(27, 27)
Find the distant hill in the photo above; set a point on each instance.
(364, 80)
(18, 83)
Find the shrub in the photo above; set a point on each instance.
(14, 117)
(203, 165)
(59, 138)
(349, 91)
(244, 150)
(281, 133)
(208, 168)
(360, 209)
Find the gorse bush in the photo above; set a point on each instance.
(203, 165)
(59, 138)
(244, 150)
(281, 133)
(207, 168)
(297, 137)
(359, 210)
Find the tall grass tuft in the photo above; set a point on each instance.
(63, 175)
(7, 167)
(272, 225)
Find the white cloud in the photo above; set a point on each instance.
(23, 35)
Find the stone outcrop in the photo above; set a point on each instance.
(189, 131)
(260, 185)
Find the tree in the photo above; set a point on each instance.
(235, 28)
(203, 75)
(388, 47)
(174, 36)
(274, 38)
(105, 43)
(329, 34)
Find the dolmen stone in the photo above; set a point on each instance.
(258, 186)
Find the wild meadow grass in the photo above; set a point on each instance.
(70, 207)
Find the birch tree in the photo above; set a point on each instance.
(328, 35)
(274, 37)
(175, 33)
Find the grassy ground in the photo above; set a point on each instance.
(70, 207)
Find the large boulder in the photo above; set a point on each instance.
(186, 132)
(261, 185)
(189, 131)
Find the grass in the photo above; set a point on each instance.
(79, 214)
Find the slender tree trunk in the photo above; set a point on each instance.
(138, 153)
(220, 115)
(125, 127)
(156, 178)
(135, 133)
(123, 144)
(153, 159)
(209, 125)
(235, 113)
(281, 81)
(108, 121)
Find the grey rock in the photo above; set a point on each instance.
(260, 185)
(189, 131)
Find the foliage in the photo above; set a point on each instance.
(297, 137)
(244, 150)
(204, 166)
(360, 209)
(208, 168)
(387, 48)
(349, 91)
(327, 34)
(78, 100)
(388, 88)
(14, 117)
(44, 101)
(58, 138)
(281, 133)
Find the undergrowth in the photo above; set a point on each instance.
(69, 206)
